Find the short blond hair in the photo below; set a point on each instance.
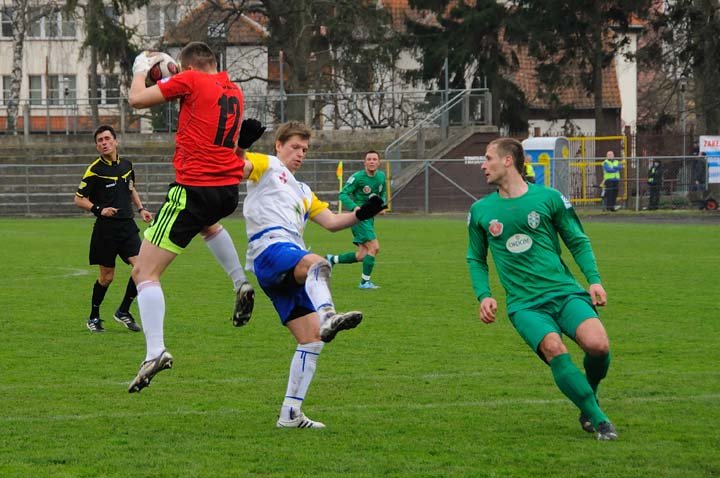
(512, 147)
(292, 128)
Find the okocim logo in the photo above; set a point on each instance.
(519, 243)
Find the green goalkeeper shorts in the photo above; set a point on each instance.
(364, 231)
(562, 315)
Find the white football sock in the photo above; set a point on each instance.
(302, 370)
(317, 286)
(222, 247)
(151, 303)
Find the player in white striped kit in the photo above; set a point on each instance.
(276, 210)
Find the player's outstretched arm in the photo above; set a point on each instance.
(335, 222)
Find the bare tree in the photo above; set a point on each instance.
(689, 47)
(21, 13)
(108, 39)
(325, 46)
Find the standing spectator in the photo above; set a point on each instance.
(521, 225)
(611, 180)
(276, 209)
(698, 173)
(529, 170)
(654, 180)
(356, 192)
(207, 175)
(108, 191)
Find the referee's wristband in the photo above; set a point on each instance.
(141, 210)
(97, 210)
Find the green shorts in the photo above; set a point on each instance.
(364, 231)
(562, 315)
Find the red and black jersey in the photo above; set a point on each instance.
(211, 109)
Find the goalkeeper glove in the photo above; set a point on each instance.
(371, 208)
(250, 131)
(144, 61)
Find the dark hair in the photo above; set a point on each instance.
(371, 151)
(198, 55)
(102, 128)
(290, 129)
(514, 148)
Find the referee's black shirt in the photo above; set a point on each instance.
(108, 184)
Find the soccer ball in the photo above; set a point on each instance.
(165, 68)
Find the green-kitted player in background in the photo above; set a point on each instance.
(358, 188)
(520, 224)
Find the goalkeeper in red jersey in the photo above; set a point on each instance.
(522, 224)
(207, 174)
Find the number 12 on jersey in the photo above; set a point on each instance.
(229, 106)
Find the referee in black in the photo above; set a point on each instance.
(107, 190)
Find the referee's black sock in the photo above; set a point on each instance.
(97, 297)
(130, 294)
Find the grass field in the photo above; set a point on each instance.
(420, 389)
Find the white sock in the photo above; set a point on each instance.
(222, 247)
(317, 286)
(302, 370)
(151, 303)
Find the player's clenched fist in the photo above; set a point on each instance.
(488, 307)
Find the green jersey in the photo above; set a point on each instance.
(360, 186)
(522, 234)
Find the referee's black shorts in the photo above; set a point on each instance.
(111, 238)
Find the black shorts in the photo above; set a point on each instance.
(111, 238)
(187, 210)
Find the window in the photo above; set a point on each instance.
(161, 19)
(108, 92)
(6, 80)
(56, 89)
(61, 89)
(7, 23)
(36, 90)
(57, 24)
(67, 25)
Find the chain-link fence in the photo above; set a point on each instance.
(426, 186)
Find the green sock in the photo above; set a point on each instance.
(575, 386)
(368, 264)
(347, 258)
(596, 368)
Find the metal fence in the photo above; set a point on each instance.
(336, 110)
(425, 186)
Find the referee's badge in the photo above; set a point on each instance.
(533, 219)
(495, 228)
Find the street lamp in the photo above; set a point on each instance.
(682, 85)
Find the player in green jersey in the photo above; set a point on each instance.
(358, 188)
(521, 225)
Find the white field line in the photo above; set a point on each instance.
(64, 273)
(72, 273)
(506, 402)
